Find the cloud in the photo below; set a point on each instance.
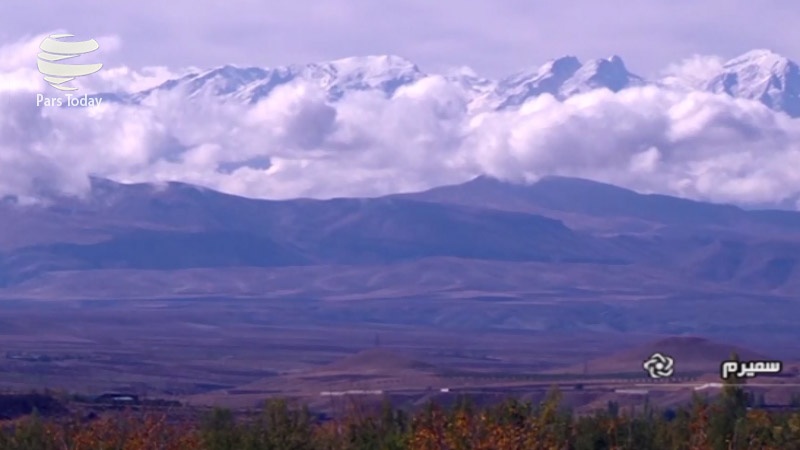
(696, 144)
(693, 72)
(294, 142)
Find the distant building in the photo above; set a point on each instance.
(632, 391)
(352, 392)
(118, 399)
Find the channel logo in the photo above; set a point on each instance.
(54, 50)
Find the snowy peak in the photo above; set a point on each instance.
(226, 79)
(233, 74)
(219, 82)
(547, 79)
(609, 73)
(384, 72)
(761, 75)
(563, 67)
(567, 76)
(374, 67)
(553, 74)
(761, 59)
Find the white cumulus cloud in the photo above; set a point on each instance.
(294, 142)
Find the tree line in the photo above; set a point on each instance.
(723, 423)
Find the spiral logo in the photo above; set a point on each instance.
(659, 366)
(55, 50)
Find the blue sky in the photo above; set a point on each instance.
(493, 37)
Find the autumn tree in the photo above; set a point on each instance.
(729, 412)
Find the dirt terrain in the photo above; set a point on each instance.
(235, 354)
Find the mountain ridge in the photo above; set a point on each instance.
(556, 220)
(758, 75)
(542, 261)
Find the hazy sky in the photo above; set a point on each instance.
(491, 36)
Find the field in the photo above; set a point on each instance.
(238, 352)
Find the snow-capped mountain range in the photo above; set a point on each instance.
(760, 75)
